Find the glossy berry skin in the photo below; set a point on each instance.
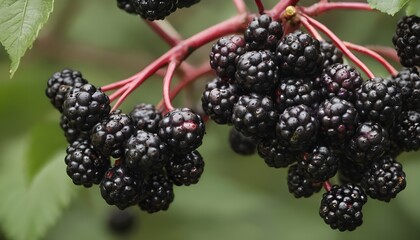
(146, 117)
(338, 120)
(85, 106)
(299, 54)
(109, 135)
(120, 187)
(294, 91)
(154, 9)
(408, 83)
(185, 169)
(126, 6)
(224, 56)
(341, 207)
(240, 143)
(145, 152)
(349, 171)
(369, 142)
(263, 33)
(340, 80)
(72, 134)
(406, 131)
(157, 193)
(384, 179)
(319, 163)
(379, 100)
(182, 130)
(331, 54)
(275, 155)
(84, 165)
(407, 41)
(186, 3)
(60, 83)
(218, 100)
(257, 72)
(254, 115)
(299, 185)
(296, 128)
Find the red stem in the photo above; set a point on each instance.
(373, 55)
(387, 52)
(118, 84)
(260, 6)
(322, 7)
(167, 85)
(118, 93)
(240, 6)
(327, 186)
(337, 41)
(165, 31)
(311, 29)
(276, 11)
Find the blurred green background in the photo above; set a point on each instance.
(237, 197)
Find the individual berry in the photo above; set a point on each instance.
(185, 169)
(85, 106)
(109, 135)
(293, 91)
(369, 142)
(60, 83)
(218, 100)
(182, 130)
(146, 117)
(120, 187)
(331, 54)
(186, 3)
(240, 143)
(225, 54)
(340, 80)
(257, 72)
(341, 207)
(254, 115)
(121, 222)
(145, 152)
(299, 185)
(71, 133)
(406, 131)
(84, 165)
(408, 82)
(407, 40)
(384, 179)
(275, 154)
(299, 54)
(378, 100)
(319, 163)
(263, 34)
(126, 6)
(157, 193)
(154, 9)
(338, 120)
(297, 128)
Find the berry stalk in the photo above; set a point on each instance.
(165, 30)
(327, 185)
(387, 52)
(167, 84)
(240, 6)
(260, 6)
(324, 6)
(311, 29)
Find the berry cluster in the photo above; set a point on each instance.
(154, 9)
(291, 98)
(154, 151)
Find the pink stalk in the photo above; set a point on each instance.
(327, 186)
(337, 41)
(167, 85)
(311, 29)
(260, 6)
(387, 52)
(165, 31)
(373, 55)
(323, 6)
(240, 6)
(276, 11)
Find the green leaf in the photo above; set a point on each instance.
(388, 6)
(41, 146)
(27, 211)
(413, 8)
(20, 22)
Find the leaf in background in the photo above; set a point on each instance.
(20, 22)
(42, 146)
(27, 211)
(388, 6)
(413, 8)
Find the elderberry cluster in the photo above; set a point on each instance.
(153, 9)
(154, 151)
(292, 99)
